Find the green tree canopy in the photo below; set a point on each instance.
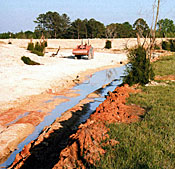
(111, 31)
(52, 24)
(119, 30)
(86, 29)
(95, 29)
(166, 27)
(141, 27)
(78, 29)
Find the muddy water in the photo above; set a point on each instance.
(99, 84)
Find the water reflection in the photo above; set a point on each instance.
(99, 83)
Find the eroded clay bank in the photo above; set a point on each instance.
(89, 95)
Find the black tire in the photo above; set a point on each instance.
(78, 56)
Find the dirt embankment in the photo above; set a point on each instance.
(18, 78)
(27, 93)
(119, 43)
(84, 147)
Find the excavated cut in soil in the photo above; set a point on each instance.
(84, 147)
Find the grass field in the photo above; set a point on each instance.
(165, 66)
(149, 143)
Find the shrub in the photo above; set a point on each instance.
(172, 45)
(108, 44)
(28, 61)
(30, 46)
(166, 45)
(45, 43)
(169, 45)
(38, 48)
(37, 53)
(139, 69)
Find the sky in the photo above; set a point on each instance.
(18, 15)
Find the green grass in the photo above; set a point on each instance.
(165, 66)
(149, 143)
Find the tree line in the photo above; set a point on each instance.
(53, 25)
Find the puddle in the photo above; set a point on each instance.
(48, 101)
(112, 77)
(18, 118)
(98, 100)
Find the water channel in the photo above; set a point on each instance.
(110, 77)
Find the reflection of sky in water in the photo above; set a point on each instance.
(19, 117)
(48, 101)
(94, 83)
(101, 92)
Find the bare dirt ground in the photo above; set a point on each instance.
(25, 88)
(20, 81)
(83, 148)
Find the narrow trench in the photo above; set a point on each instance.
(46, 154)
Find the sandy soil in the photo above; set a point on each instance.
(25, 88)
(19, 81)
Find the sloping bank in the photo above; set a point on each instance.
(84, 147)
(35, 88)
(147, 144)
(150, 142)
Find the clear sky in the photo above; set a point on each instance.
(17, 15)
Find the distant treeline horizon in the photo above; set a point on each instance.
(52, 25)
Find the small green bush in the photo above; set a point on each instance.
(30, 46)
(166, 45)
(45, 43)
(108, 44)
(169, 45)
(37, 53)
(38, 48)
(172, 45)
(28, 61)
(139, 69)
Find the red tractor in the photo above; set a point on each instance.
(83, 50)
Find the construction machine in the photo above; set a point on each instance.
(83, 50)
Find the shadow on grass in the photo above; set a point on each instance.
(147, 109)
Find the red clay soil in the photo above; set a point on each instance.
(166, 77)
(84, 147)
